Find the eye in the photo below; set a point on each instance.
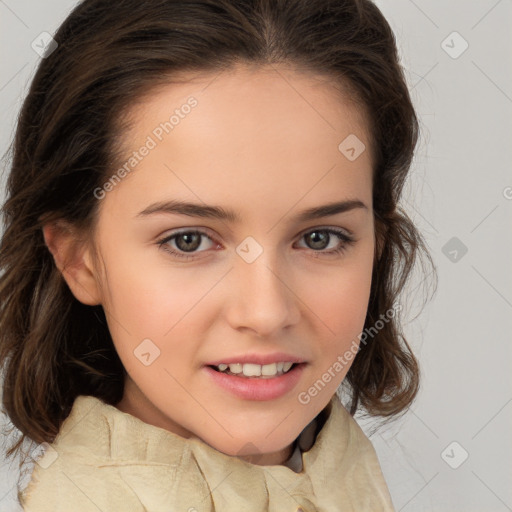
(320, 239)
(187, 243)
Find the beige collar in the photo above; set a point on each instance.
(99, 446)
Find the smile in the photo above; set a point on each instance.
(254, 386)
(255, 370)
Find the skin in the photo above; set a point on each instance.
(263, 142)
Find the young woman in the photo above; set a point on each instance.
(203, 248)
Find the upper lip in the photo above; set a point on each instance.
(260, 359)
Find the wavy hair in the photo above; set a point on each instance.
(109, 55)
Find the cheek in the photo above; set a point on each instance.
(346, 308)
(339, 313)
(168, 305)
(148, 296)
(340, 303)
(339, 310)
(143, 304)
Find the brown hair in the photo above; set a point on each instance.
(54, 348)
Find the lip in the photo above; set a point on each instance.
(261, 359)
(253, 388)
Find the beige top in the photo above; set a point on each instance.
(107, 460)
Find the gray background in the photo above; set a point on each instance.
(460, 195)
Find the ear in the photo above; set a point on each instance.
(73, 259)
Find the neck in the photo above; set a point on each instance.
(270, 459)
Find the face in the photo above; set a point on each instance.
(246, 276)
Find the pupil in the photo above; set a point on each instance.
(189, 239)
(323, 237)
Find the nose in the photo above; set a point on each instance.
(262, 298)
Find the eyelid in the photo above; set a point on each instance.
(201, 231)
(186, 229)
(349, 233)
(344, 235)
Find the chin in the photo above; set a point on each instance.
(254, 432)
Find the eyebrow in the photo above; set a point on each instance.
(217, 212)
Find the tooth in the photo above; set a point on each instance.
(287, 366)
(235, 368)
(256, 370)
(269, 369)
(252, 370)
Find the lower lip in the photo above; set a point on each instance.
(253, 388)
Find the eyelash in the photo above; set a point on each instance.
(345, 239)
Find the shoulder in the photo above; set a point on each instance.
(101, 459)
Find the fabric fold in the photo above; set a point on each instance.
(109, 460)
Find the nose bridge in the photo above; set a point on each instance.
(262, 299)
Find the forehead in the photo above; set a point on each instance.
(255, 133)
(257, 98)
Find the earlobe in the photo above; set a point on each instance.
(72, 258)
